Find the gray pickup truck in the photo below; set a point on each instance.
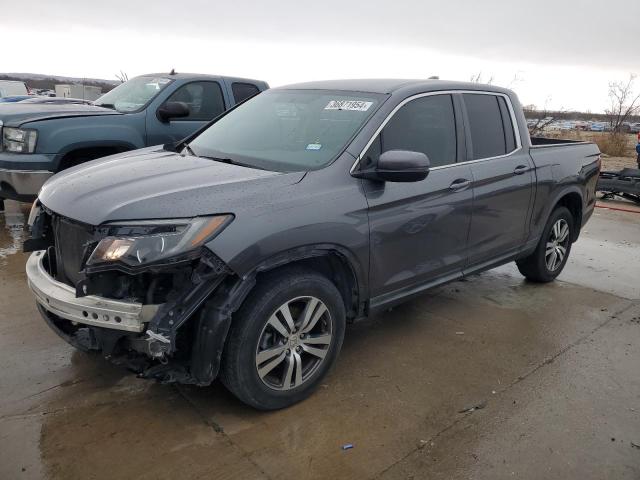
(246, 248)
(39, 140)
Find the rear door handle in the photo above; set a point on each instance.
(520, 169)
(459, 184)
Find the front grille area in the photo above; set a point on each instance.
(71, 240)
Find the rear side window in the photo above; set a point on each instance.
(424, 125)
(490, 125)
(509, 133)
(204, 100)
(242, 91)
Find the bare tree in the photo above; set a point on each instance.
(122, 77)
(624, 103)
(544, 118)
(516, 79)
(477, 78)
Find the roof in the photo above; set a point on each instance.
(191, 76)
(177, 75)
(381, 85)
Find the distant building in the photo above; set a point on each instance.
(84, 92)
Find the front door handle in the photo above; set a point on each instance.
(459, 184)
(520, 169)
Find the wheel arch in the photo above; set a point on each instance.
(215, 318)
(90, 150)
(333, 261)
(571, 199)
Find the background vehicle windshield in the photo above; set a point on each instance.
(131, 96)
(288, 130)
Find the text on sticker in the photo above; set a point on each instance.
(354, 105)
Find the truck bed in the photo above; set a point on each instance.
(546, 142)
(572, 154)
(564, 162)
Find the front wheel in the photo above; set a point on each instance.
(284, 339)
(550, 256)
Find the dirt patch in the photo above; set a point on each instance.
(618, 163)
(602, 139)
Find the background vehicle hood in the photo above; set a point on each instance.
(152, 184)
(18, 113)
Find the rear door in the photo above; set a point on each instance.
(243, 90)
(205, 101)
(503, 179)
(418, 231)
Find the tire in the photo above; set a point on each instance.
(1, 204)
(539, 267)
(266, 363)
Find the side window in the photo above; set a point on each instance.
(509, 133)
(486, 126)
(425, 125)
(204, 99)
(242, 91)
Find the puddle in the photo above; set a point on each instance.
(12, 231)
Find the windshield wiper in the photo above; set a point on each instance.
(219, 159)
(106, 105)
(231, 162)
(189, 149)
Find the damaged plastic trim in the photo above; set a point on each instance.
(210, 273)
(213, 327)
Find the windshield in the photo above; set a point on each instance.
(288, 130)
(133, 95)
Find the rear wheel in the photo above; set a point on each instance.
(284, 339)
(551, 254)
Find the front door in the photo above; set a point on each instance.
(418, 231)
(205, 102)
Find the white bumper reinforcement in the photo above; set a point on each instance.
(60, 299)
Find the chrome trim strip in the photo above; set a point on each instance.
(468, 162)
(514, 122)
(25, 182)
(60, 299)
(26, 172)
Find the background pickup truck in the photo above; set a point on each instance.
(40, 140)
(247, 247)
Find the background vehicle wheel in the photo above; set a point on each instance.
(284, 339)
(1, 204)
(551, 254)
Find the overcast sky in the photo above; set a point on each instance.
(560, 53)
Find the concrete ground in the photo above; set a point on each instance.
(487, 378)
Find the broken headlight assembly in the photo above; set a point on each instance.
(154, 242)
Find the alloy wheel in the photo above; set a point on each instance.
(557, 245)
(294, 343)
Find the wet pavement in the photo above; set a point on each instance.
(491, 377)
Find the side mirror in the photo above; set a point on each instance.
(398, 166)
(173, 110)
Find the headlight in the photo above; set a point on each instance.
(19, 140)
(151, 242)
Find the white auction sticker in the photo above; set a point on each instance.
(354, 105)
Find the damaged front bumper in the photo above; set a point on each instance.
(180, 340)
(60, 299)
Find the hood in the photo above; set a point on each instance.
(18, 113)
(155, 184)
